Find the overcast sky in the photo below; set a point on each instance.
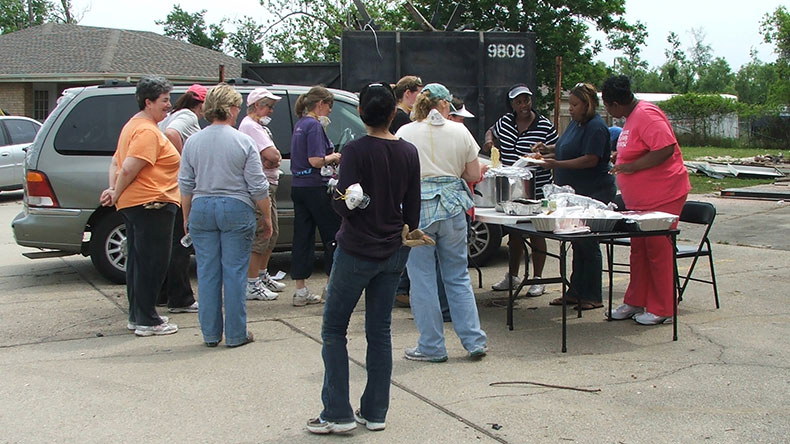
(731, 28)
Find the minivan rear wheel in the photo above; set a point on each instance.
(108, 247)
(484, 242)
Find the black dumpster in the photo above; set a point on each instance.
(475, 66)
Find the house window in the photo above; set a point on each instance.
(40, 104)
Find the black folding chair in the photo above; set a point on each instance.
(700, 213)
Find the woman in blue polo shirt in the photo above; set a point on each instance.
(581, 160)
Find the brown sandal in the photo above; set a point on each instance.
(558, 301)
(588, 305)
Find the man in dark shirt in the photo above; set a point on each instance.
(406, 91)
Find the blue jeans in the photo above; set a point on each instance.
(350, 276)
(403, 288)
(451, 252)
(222, 229)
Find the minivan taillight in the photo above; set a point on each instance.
(38, 190)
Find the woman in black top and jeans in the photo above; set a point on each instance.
(370, 257)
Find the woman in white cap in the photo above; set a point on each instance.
(516, 133)
(458, 111)
(260, 105)
(448, 158)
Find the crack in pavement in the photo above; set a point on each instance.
(406, 389)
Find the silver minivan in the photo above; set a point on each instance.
(66, 170)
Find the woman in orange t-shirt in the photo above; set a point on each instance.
(651, 176)
(144, 189)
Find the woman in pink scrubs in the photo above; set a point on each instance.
(651, 176)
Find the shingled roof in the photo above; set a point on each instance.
(60, 52)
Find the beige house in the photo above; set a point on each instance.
(38, 63)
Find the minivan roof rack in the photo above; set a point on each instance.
(114, 83)
(245, 81)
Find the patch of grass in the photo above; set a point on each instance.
(701, 184)
(695, 152)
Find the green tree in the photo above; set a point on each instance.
(675, 74)
(775, 28)
(715, 78)
(753, 81)
(182, 25)
(63, 12)
(245, 42)
(21, 14)
(630, 43)
(309, 31)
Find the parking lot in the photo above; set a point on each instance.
(71, 371)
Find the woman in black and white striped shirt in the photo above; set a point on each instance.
(516, 132)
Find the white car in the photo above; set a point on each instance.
(16, 134)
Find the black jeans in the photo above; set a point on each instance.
(177, 292)
(312, 208)
(588, 262)
(149, 236)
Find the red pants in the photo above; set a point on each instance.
(652, 268)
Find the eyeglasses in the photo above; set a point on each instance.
(579, 85)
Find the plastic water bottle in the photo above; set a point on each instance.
(186, 241)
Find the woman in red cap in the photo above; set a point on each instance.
(181, 123)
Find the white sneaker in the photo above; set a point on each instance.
(536, 289)
(648, 318)
(270, 283)
(133, 327)
(502, 285)
(625, 311)
(370, 425)
(257, 292)
(190, 309)
(303, 297)
(321, 427)
(164, 328)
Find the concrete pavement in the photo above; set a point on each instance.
(71, 372)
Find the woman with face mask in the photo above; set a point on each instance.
(260, 105)
(312, 161)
